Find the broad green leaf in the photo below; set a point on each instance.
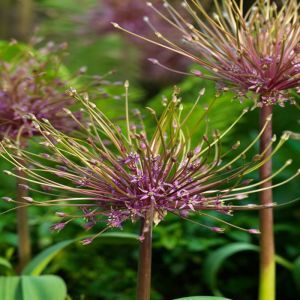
(215, 260)
(5, 263)
(296, 272)
(10, 288)
(46, 287)
(202, 298)
(39, 263)
(10, 51)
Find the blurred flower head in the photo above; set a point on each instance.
(257, 51)
(31, 83)
(113, 173)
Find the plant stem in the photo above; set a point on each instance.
(144, 268)
(25, 16)
(267, 248)
(16, 19)
(5, 16)
(24, 245)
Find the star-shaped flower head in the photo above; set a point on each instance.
(257, 51)
(114, 173)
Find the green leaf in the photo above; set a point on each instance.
(46, 287)
(39, 263)
(5, 263)
(216, 259)
(296, 272)
(9, 51)
(202, 298)
(120, 235)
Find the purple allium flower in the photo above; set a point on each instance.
(257, 51)
(138, 175)
(31, 84)
(135, 15)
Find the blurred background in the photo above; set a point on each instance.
(187, 260)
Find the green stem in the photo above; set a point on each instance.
(267, 248)
(145, 257)
(24, 245)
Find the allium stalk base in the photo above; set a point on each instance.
(267, 248)
(144, 268)
(24, 244)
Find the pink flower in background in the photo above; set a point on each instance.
(32, 85)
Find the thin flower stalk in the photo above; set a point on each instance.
(110, 174)
(23, 230)
(267, 254)
(145, 261)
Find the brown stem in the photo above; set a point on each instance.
(25, 15)
(144, 268)
(5, 16)
(267, 248)
(16, 18)
(24, 245)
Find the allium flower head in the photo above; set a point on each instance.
(31, 84)
(257, 51)
(114, 174)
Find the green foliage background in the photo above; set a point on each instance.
(182, 258)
